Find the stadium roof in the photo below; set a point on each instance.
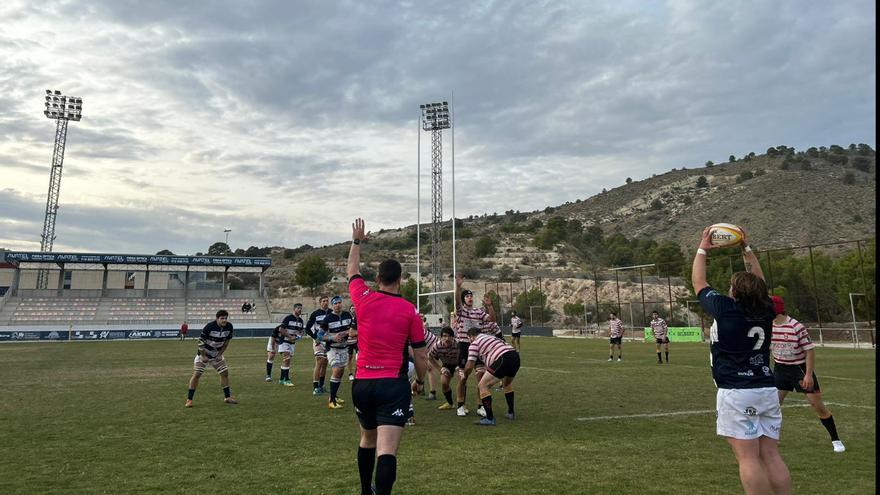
(92, 261)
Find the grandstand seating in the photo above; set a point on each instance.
(121, 310)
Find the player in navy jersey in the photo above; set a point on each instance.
(312, 327)
(352, 344)
(212, 344)
(290, 331)
(334, 335)
(749, 414)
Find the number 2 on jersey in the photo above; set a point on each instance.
(757, 332)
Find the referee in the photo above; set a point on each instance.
(381, 392)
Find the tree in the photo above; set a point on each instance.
(702, 182)
(573, 309)
(744, 176)
(657, 204)
(219, 249)
(731, 158)
(165, 252)
(710, 163)
(312, 272)
(629, 180)
(849, 178)
(862, 163)
(409, 289)
(533, 300)
(485, 246)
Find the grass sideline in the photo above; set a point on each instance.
(108, 417)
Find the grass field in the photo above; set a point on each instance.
(108, 417)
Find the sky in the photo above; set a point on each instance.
(283, 121)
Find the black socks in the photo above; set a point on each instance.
(829, 425)
(386, 473)
(366, 462)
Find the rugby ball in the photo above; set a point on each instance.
(725, 234)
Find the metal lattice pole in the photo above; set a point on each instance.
(62, 109)
(436, 211)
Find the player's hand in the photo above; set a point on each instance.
(807, 383)
(706, 240)
(459, 279)
(340, 336)
(745, 241)
(358, 231)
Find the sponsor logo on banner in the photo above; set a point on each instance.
(53, 335)
(5, 335)
(104, 334)
(168, 333)
(140, 334)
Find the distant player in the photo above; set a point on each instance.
(183, 329)
(271, 349)
(661, 335)
(334, 335)
(352, 344)
(467, 317)
(615, 332)
(504, 364)
(516, 325)
(312, 327)
(794, 367)
(292, 329)
(444, 356)
(213, 341)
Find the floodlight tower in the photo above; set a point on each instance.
(62, 109)
(435, 118)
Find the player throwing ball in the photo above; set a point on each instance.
(504, 364)
(212, 344)
(749, 414)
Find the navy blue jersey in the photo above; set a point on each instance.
(739, 342)
(295, 328)
(334, 324)
(315, 319)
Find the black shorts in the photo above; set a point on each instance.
(788, 376)
(616, 340)
(381, 401)
(505, 366)
(352, 348)
(515, 335)
(664, 340)
(463, 353)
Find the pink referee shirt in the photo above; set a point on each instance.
(386, 322)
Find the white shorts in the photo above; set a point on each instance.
(337, 358)
(748, 413)
(320, 351)
(219, 364)
(282, 347)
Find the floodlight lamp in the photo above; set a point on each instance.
(48, 91)
(57, 92)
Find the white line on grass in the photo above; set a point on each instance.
(544, 369)
(848, 379)
(703, 411)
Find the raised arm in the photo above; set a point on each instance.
(358, 235)
(459, 279)
(750, 259)
(698, 271)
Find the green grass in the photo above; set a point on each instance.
(108, 417)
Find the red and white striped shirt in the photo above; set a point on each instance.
(615, 328)
(659, 328)
(491, 328)
(487, 349)
(430, 338)
(790, 342)
(446, 354)
(467, 318)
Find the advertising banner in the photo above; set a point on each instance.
(678, 334)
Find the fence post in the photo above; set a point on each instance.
(617, 283)
(596, 292)
(821, 341)
(642, 282)
(865, 288)
(815, 288)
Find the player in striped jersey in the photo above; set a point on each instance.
(312, 327)
(794, 367)
(661, 335)
(430, 340)
(334, 335)
(615, 332)
(352, 343)
(212, 344)
(444, 355)
(467, 317)
(503, 365)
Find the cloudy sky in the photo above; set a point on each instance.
(284, 120)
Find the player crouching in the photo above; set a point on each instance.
(504, 365)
